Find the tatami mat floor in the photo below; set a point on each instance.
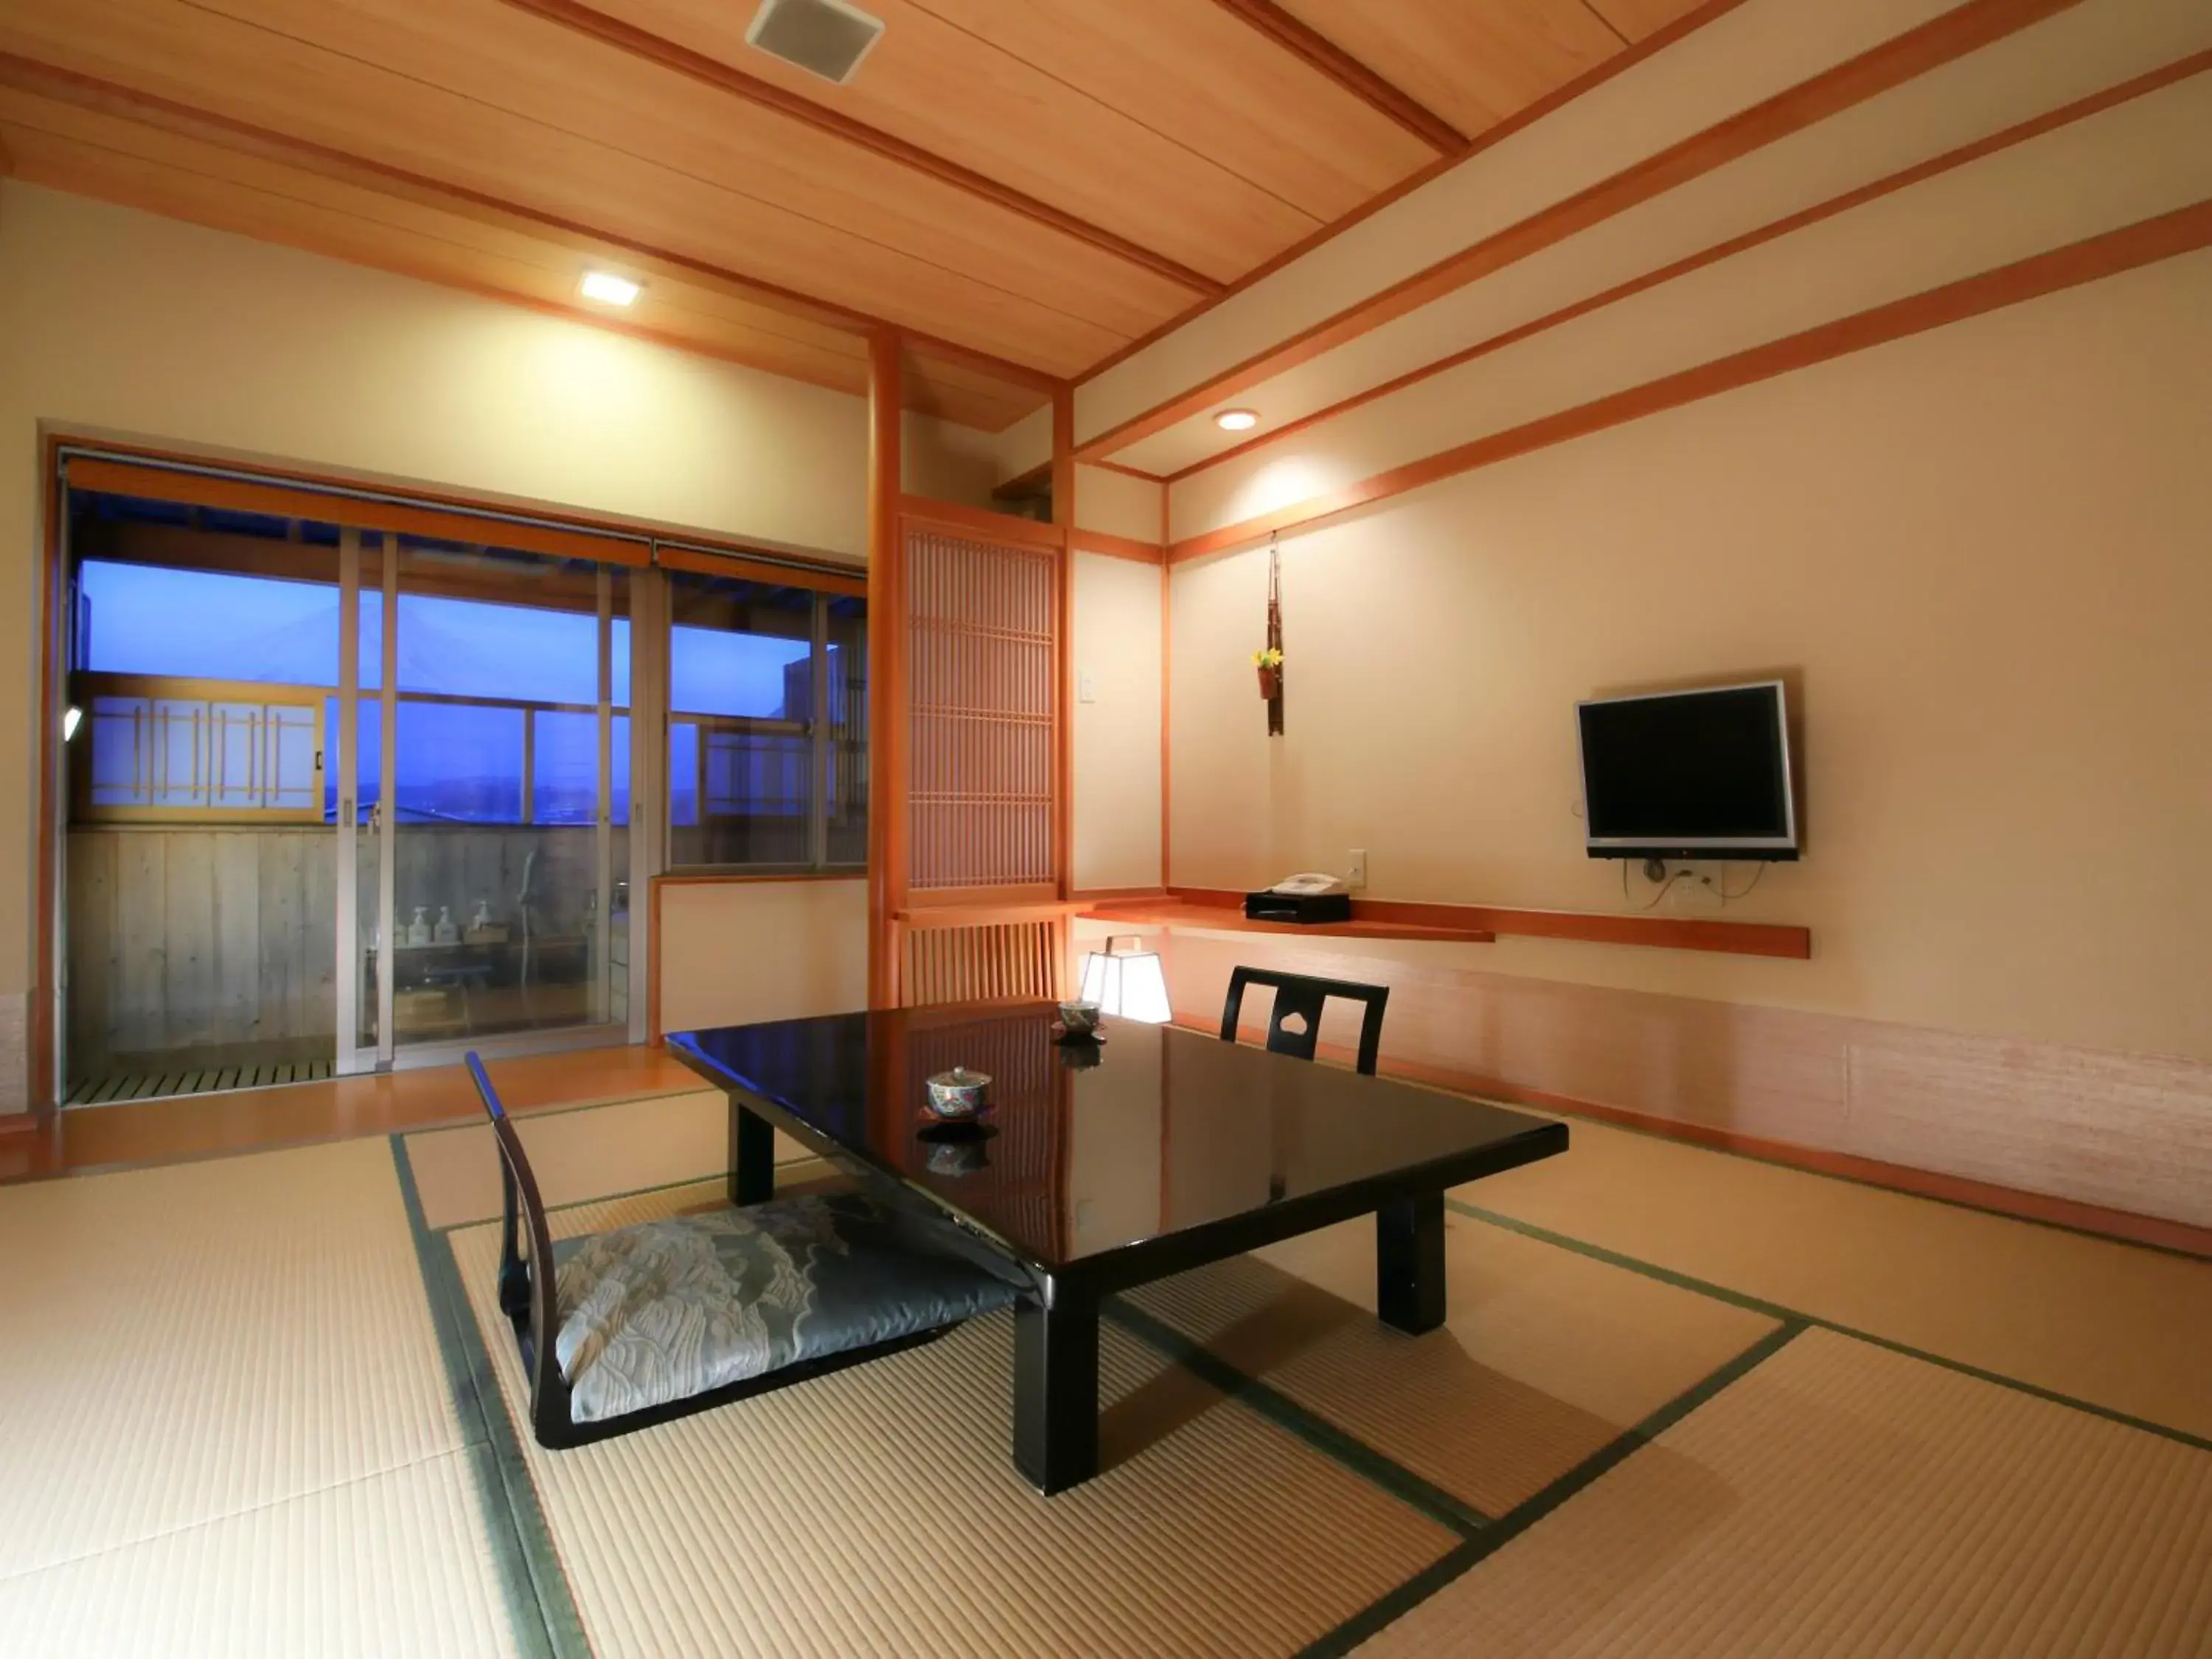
(1684, 1403)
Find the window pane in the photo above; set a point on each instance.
(564, 783)
(206, 625)
(684, 779)
(847, 804)
(458, 764)
(739, 648)
(746, 765)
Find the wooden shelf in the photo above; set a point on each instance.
(1177, 913)
(1462, 924)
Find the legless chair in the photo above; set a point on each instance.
(665, 1318)
(1299, 1000)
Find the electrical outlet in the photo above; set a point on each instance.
(1356, 875)
(1086, 688)
(1697, 887)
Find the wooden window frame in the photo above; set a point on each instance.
(88, 686)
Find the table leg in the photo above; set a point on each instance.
(752, 1157)
(1409, 1263)
(1056, 1389)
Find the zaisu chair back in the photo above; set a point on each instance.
(527, 1283)
(1294, 1023)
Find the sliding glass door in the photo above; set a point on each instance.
(492, 856)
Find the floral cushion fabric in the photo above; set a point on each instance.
(668, 1309)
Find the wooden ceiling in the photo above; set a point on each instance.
(1025, 185)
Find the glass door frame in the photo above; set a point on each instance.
(647, 712)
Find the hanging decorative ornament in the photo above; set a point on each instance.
(1269, 659)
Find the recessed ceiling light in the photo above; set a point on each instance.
(608, 289)
(1236, 420)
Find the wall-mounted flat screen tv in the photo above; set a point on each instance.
(1701, 774)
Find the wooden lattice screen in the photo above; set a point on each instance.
(982, 684)
(986, 963)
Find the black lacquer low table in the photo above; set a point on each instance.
(1109, 1165)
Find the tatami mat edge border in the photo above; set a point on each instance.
(1373, 1620)
(1776, 1310)
(541, 1612)
(1316, 1431)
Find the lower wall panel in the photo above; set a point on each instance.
(737, 951)
(2123, 1131)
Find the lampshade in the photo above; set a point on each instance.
(1127, 984)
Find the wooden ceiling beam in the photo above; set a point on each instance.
(150, 109)
(1323, 54)
(1951, 35)
(2081, 109)
(2165, 236)
(1658, 40)
(727, 78)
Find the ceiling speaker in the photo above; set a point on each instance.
(827, 38)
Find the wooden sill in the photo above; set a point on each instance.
(1398, 919)
(1177, 913)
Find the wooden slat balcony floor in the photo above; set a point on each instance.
(107, 1088)
(178, 1126)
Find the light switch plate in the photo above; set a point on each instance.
(1086, 688)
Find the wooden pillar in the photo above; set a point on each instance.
(887, 689)
(1167, 684)
(1063, 516)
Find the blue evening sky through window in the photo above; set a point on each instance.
(455, 763)
(209, 625)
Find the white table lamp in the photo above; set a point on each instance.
(1127, 984)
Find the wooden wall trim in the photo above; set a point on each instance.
(752, 878)
(984, 911)
(626, 37)
(888, 698)
(1127, 470)
(1744, 939)
(1657, 40)
(701, 564)
(1117, 547)
(964, 520)
(1971, 26)
(464, 507)
(2081, 109)
(42, 1088)
(1323, 55)
(108, 98)
(2126, 1225)
(2182, 231)
(290, 501)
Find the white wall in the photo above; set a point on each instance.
(1117, 734)
(1977, 552)
(733, 952)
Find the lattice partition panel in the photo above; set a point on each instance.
(983, 963)
(982, 681)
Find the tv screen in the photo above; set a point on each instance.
(1689, 774)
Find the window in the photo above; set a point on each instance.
(767, 711)
(498, 697)
(200, 693)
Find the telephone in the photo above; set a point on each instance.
(1311, 884)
